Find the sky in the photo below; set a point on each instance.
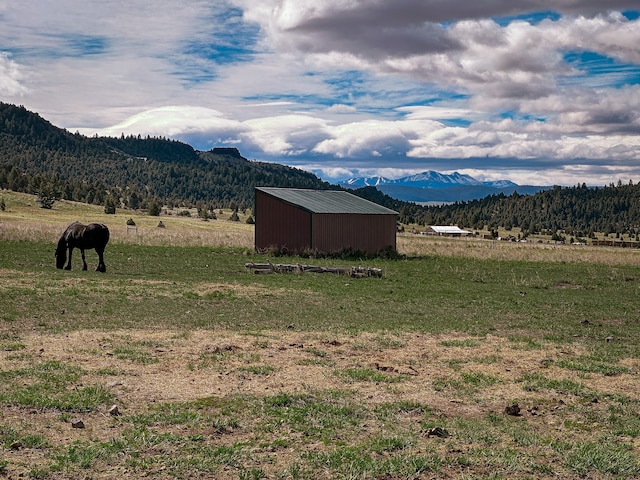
(540, 92)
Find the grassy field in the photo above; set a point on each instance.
(467, 359)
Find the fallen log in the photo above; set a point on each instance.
(355, 272)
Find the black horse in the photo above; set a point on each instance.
(84, 237)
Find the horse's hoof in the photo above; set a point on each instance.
(67, 268)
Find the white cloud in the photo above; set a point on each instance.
(341, 108)
(429, 112)
(588, 111)
(519, 60)
(366, 138)
(175, 121)
(11, 77)
(286, 134)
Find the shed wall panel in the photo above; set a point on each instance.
(279, 224)
(367, 233)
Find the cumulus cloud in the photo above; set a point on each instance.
(183, 122)
(371, 138)
(588, 111)
(341, 108)
(285, 134)
(11, 77)
(474, 52)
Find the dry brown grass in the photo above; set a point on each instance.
(420, 245)
(190, 366)
(24, 220)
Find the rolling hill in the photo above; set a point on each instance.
(130, 169)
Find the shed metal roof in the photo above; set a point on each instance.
(326, 201)
(453, 229)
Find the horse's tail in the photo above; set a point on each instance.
(61, 251)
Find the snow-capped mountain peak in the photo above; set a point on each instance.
(428, 179)
(365, 182)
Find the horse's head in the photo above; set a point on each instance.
(61, 254)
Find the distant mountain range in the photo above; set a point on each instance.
(436, 187)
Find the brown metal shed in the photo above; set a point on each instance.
(325, 221)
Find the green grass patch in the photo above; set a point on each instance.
(51, 385)
(623, 419)
(356, 462)
(605, 457)
(316, 352)
(324, 416)
(466, 382)
(590, 365)
(536, 382)
(10, 436)
(167, 287)
(133, 354)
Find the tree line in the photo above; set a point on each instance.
(578, 211)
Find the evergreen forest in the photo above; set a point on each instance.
(36, 156)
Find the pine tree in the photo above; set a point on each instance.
(47, 195)
(109, 205)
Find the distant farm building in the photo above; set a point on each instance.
(446, 231)
(326, 221)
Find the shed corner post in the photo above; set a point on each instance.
(255, 219)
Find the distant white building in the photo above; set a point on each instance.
(446, 231)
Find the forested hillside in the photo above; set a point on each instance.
(134, 172)
(578, 211)
(37, 156)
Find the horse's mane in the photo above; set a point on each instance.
(62, 241)
(61, 250)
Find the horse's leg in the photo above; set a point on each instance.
(101, 266)
(84, 261)
(68, 267)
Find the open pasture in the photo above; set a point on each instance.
(468, 359)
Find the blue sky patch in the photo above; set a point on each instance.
(348, 85)
(219, 53)
(81, 45)
(61, 46)
(227, 40)
(230, 40)
(601, 69)
(631, 14)
(532, 17)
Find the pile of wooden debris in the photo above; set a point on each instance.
(356, 272)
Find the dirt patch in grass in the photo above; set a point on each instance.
(190, 365)
(458, 378)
